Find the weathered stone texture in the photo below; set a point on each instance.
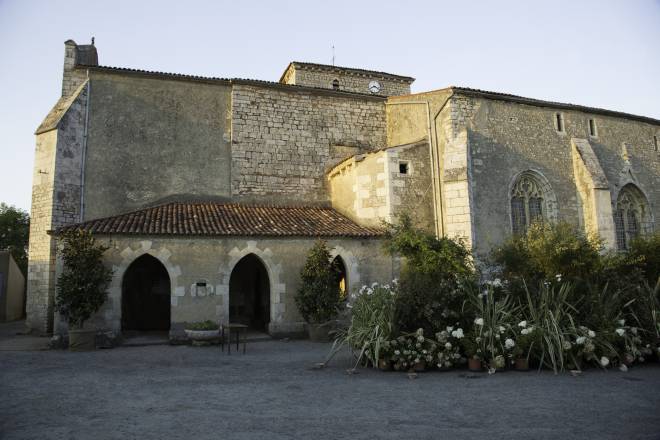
(349, 82)
(282, 139)
(153, 139)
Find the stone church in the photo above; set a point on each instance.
(210, 191)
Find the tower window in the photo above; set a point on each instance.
(404, 168)
(335, 84)
(559, 122)
(593, 131)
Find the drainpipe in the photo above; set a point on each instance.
(431, 156)
(84, 149)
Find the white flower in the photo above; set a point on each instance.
(370, 291)
(509, 344)
(420, 338)
(558, 277)
(622, 322)
(592, 334)
(374, 285)
(497, 282)
(580, 340)
(448, 345)
(479, 321)
(604, 361)
(449, 329)
(620, 331)
(397, 352)
(349, 305)
(522, 324)
(458, 333)
(502, 329)
(525, 331)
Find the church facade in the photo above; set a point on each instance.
(210, 191)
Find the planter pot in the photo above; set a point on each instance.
(474, 364)
(384, 365)
(522, 364)
(628, 360)
(419, 366)
(202, 336)
(82, 340)
(319, 332)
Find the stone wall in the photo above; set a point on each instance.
(151, 139)
(349, 82)
(282, 140)
(507, 138)
(56, 184)
(189, 260)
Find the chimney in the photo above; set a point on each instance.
(75, 55)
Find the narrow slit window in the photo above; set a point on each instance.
(404, 168)
(559, 122)
(592, 128)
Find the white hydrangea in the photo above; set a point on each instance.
(502, 329)
(620, 331)
(592, 334)
(479, 321)
(580, 340)
(509, 343)
(558, 277)
(525, 331)
(604, 361)
(448, 345)
(522, 324)
(449, 329)
(458, 333)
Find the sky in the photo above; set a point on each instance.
(596, 53)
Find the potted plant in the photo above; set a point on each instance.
(526, 336)
(449, 347)
(81, 287)
(318, 297)
(202, 332)
(472, 348)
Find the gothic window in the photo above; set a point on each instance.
(529, 202)
(631, 216)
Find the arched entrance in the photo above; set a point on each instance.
(249, 293)
(341, 277)
(145, 298)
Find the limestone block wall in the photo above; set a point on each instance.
(348, 82)
(507, 138)
(189, 260)
(282, 140)
(56, 186)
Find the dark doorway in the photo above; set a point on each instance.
(342, 280)
(145, 299)
(249, 293)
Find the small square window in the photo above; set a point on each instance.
(404, 168)
(593, 130)
(559, 122)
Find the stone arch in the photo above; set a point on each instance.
(632, 214)
(128, 255)
(351, 265)
(249, 293)
(146, 292)
(530, 196)
(277, 288)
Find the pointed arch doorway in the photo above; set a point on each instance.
(145, 299)
(249, 293)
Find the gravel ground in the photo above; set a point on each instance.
(181, 392)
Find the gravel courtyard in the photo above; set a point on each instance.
(182, 392)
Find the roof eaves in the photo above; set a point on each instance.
(355, 70)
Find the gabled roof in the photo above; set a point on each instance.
(348, 70)
(228, 219)
(55, 115)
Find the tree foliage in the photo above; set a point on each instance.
(14, 233)
(318, 297)
(81, 288)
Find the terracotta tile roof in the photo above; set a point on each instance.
(228, 219)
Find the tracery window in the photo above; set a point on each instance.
(631, 216)
(528, 204)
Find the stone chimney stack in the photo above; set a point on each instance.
(75, 55)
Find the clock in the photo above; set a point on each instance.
(374, 87)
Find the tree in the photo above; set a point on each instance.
(318, 296)
(14, 233)
(81, 288)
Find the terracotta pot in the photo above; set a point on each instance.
(82, 340)
(384, 365)
(474, 364)
(522, 364)
(319, 332)
(419, 366)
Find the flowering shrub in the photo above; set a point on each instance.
(525, 337)
(449, 347)
(412, 350)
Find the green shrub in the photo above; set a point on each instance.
(645, 250)
(81, 287)
(202, 325)
(430, 293)
(318, 297)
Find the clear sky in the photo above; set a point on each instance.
(596, 53)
